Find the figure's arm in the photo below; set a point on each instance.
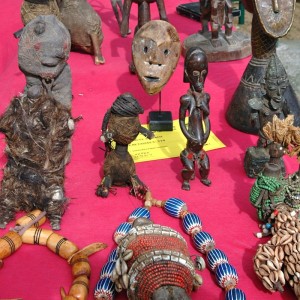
(206, 111)
(147, 133)
(162, 10)
(125, 18)
(185, 104)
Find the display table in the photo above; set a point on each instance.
(33, 272)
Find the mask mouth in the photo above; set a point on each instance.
(151, 78)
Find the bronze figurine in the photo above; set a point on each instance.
(197, 130)
(156, 51)
(143, 13)
(85, 27)
(38, 125)
(121, 125)
(271, 20)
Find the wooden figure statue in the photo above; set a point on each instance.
(117, 6)
(121, 124)
(38, 124)
(85, 27)
(196, 104)
(143, 13)
(271, 20)
(219, 13)
(219, 45)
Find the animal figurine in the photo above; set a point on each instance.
(121, 125)
(155, 51)
(197, 130)
(143, 13)
(271, 21)
(38, 125)
(85, 27)
(117, 6)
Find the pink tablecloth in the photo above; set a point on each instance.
(34, 272)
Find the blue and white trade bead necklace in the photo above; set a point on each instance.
(226, 274)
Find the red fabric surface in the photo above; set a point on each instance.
(34, 272)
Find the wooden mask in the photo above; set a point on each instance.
(155, 50)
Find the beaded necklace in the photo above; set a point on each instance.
(226, 275)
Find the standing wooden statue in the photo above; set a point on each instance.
(38, 125)
(271, 21)
(144, 15)
(196, 104)
(121, 124)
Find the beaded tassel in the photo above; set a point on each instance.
(226, 274)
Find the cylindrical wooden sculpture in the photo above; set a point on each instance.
(269, 23)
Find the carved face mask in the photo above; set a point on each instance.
(155, 51)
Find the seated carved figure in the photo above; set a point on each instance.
(121, 124)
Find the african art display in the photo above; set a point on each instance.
(195, 105)
(219, 45)
(271, 20)
(38, 125)
(121, 125)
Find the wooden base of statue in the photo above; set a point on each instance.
(238, 112)
(160, 121)
(238, 46)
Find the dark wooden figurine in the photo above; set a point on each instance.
(271, 20)
(38, 125)
(121, 124)
(144, 15)
(196, 104)
(85, 27)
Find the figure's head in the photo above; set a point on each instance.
(127, 106)
(155, 51)
(276, 80)
(44, 47)
(195, 68)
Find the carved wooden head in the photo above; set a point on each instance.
(156, 51)
(44, 47)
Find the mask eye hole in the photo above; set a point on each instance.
(166, 52)
(145, 49)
